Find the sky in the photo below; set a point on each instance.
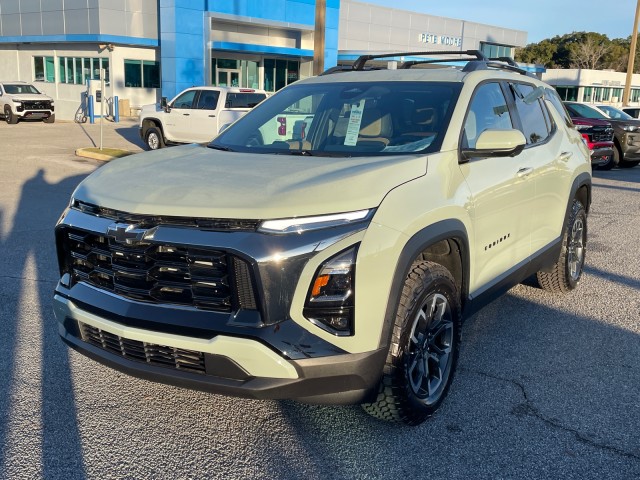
(540, 19)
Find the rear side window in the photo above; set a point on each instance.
(554, 98)
(488, 111)
(208, 100)
(534, 126)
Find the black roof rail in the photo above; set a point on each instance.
(363, 59)
(507, 60)
(344, 68)
(473, 66)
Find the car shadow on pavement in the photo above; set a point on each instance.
(34, 361)
(131, 135)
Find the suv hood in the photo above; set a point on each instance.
(196, 181)
(29, 97)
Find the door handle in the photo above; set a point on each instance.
(186, 114)
(212, 116)
(523, 172)
(565, 156)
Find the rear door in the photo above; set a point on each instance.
(204, 116)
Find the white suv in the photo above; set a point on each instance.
(327, 245)
(21, 100)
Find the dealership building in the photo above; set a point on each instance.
(154, 48)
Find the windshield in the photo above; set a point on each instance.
(346, 119)
(584, 111)
(615, 113)
(13, 89)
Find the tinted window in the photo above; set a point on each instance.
(584, 111)
(17, 89)
(185, 100)
(208, 100)
(534, 125)
(244, 100)
(554, 98)
(488, 111)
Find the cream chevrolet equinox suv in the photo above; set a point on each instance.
(327, 245)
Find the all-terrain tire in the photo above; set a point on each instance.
(424, 347)
(566, 272)
(50, 119)
(153, 139)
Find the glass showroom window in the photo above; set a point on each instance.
(494, 50)
(280, 73)
(141, 73)
(77, 70)
(43, 69)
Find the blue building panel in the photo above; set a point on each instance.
(299, 12)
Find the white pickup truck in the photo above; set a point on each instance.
(195, 115)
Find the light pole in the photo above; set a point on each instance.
(632, 57)
(318, 37)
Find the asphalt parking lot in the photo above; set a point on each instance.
(547, 387)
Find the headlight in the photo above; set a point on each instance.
(582, 127)
(17, 101)
(331, 298)
(303, 224)
(630, 128)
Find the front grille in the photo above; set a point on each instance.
(148, 221)
(158, 355)
(601, 134)
(203, 278)
(37, 105)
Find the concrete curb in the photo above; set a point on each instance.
(95, 154)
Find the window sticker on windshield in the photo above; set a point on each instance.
(353, 128)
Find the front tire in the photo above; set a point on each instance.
(50, 119)
(153, 139)
(566, 272)
(10, 118)
(424, 348)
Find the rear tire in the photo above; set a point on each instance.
(424, 347)
(50, 119)
(565, 274)
(153, 139)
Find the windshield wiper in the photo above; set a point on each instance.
(219, 147)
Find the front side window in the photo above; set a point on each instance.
(488, 111)
(185, 100)
(346, 119)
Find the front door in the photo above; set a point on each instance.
(228, 77)
(502, 194)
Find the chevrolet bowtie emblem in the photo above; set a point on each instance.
(128, 233)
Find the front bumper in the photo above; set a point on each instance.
(631, 146)
(601, 155)
(235, 366)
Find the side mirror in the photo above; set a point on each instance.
(164, 104)
(496, 143)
